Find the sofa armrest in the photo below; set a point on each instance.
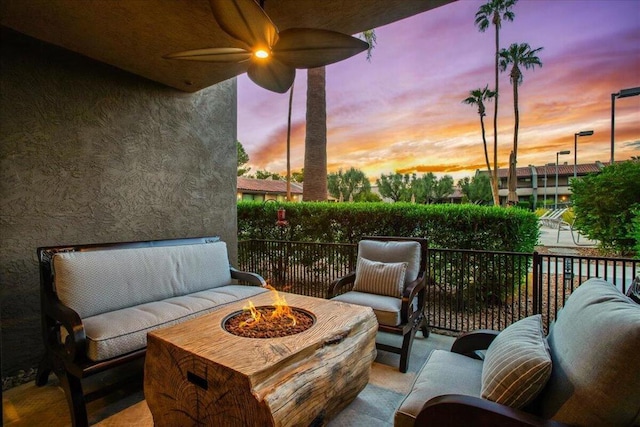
(251, 278)
(460, 410)
(469, 343)
(336, 286)
(57, 315)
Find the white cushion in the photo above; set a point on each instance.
(380, 278)
(101, 281)
(123, 331)
(517, 364)
(393, 251)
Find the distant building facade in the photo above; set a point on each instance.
(537, 184)
(267, 189)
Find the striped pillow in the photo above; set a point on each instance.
(380, 278)
(517, 364)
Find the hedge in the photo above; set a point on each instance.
(445, 226)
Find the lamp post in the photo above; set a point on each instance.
(555, 203)
(624, 93)
(575, 149)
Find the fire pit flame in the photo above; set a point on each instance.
(281, 309)
(268, 321)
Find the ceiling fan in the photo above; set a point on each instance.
(271, 57)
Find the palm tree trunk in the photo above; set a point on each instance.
(513, 177)
(289, 144)
(315, 152)
(486, 158)
(496, 195)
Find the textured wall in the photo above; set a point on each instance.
(93, 154)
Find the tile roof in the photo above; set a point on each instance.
(267, 186)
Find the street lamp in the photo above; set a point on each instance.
(624, 93)
(555, 204)
(575, 149)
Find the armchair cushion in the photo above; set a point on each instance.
(393, 251)
(387, 309)
(436, 378)
(594, 346)
(517, 364)
(379, 277)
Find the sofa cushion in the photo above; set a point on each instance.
(595, 348)
(122, 331)
(517, 364)
(436, 378)
(381, 278)
(387, 309)
(101, 281)
(393, 251)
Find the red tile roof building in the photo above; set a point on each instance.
(267, 189)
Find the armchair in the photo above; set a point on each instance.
(593, 351)
(389, 278)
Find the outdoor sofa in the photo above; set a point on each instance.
(99, 301)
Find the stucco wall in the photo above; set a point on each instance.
(90, 153)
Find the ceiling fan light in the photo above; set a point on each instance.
(261, 53)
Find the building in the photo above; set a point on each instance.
(537, 184)
(262, 190)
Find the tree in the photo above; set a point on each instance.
(604, 205)
(347, 186)
(443, 188)
(493, 13)
(268, 175)
(243, 159)
(423, 188)
(315, 143)
(517, 55)
(298, 176)
(476, 189)
(478, 97)
(396, 187)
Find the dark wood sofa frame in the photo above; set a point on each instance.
(68, 359)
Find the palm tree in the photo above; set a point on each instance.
(315, 143)
(493, 13)
(478, 97)
(517, 55)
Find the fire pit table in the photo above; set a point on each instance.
(198, 373)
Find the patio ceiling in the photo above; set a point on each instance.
(134, 34)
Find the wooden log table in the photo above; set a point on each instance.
(197, 373)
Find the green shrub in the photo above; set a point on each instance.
(445, 226)
(604, 205)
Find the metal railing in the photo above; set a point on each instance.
(466, 289)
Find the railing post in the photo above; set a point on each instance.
(537, 285)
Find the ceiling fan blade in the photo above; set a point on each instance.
(272, 75)
(214, 54)
(245, 21)
(310, 48)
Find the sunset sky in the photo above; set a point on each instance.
(403, 110)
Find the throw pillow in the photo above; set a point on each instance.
(517, 364)
(380, 278)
